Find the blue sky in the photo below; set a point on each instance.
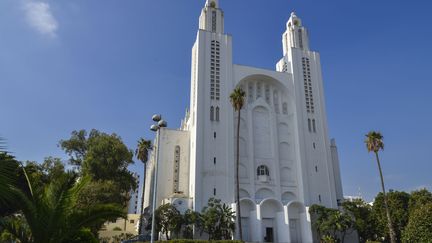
(83, 64)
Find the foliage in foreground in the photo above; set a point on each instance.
(41, 202)
(217, 220)
(50, 213)
(413, 220)
(104, 158)
(398, 203)
(364, 222)
(199, 241)
(168, 219)
(331, 224)
(419, 228)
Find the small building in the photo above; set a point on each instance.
(120, 229)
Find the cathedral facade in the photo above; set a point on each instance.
(287, 161)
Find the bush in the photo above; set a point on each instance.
(199, 241)
(419, 228)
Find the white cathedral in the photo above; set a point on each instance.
(287, 161)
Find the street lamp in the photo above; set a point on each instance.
(156, 128)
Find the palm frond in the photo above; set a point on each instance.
(143, 148)
(237, 98)
(8, 178)
(374, 141)
(17, 227)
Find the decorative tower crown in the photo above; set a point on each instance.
(211, 18)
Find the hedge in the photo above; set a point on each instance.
(199, 241)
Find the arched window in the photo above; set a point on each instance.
(217, 113)
(309, 125)
(263, 170)
(213, 21)
(212, 113)
(276, 101)
(314, 125)
(258, 90)
(267, 94)
(285, 108)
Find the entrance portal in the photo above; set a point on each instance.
(295, 209)
(269, 234)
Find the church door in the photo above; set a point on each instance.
(269, 234)
(294, 230)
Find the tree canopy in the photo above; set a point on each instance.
(104, 158)
(218, 220)
(363, 221)
(331, 223)
(419, 228)
(168, 219)
(398, 207)
(50, 213)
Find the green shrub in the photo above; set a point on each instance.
(419, 228)
(198, 241)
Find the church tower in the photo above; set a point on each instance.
(210, 109)
(320, 165)
(211, 18)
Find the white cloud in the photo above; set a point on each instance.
(39, 17)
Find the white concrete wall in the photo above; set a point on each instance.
(169, 139)
(282, 229)
(208, 175)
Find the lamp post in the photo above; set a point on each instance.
(156, 128)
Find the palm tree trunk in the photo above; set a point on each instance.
(142, 202)
(389, 221)
(237, 179)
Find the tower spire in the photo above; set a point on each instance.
(295, 35)
(211, 18)
(212, 3)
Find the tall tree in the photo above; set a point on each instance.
(8, 180)
(364, 223)
(419, 228)
(190, 219)
(237, 99)
(142, 153)
(419, 198)
(398, 204)
(168, 220)
(374, 143)
(43, 173)
(104, 158)
(217, 220)
(331, 223)
(12, 178)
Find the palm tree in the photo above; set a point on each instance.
(142, 152)
(9, 181)
(374, 143)
(237, 98)
(51, 212)
(8, 174)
